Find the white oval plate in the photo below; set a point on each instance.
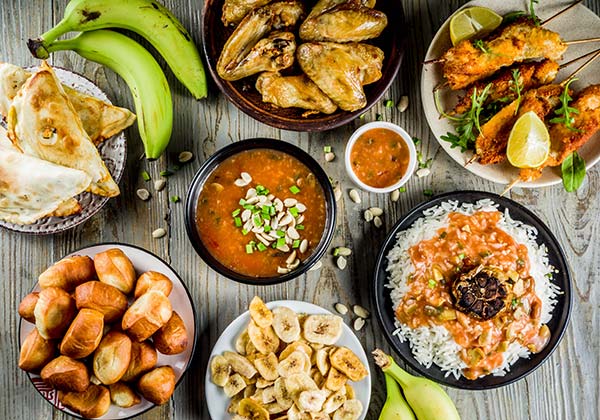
(216, 399)
(577, 23)
(113, 152)
(181, 302)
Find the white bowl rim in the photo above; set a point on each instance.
(412, 159)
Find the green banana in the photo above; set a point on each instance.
(145, 78)
(147, 18)
(426, 398)
(395, 407)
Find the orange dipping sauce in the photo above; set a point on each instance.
(380, 157)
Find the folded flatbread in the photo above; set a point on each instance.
(31, 188)
(43, 123)
(100, 119)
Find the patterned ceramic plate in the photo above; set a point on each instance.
(181, 302)
(216, 399)
(113, 152)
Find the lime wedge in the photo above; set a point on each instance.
(473, 22)
(529, 142)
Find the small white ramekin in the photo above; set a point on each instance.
(412, 160)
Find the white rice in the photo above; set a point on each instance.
(435, 344)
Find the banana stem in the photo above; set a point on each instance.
(389, 366)
(39, 47)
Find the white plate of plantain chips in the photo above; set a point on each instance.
(287, 359)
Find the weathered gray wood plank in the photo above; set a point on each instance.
(566, 387)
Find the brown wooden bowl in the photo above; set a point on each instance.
(244, 95)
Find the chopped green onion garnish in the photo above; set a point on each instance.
(428, 192)
(244, 232)
(267, 228)
(146, 176)
(261, 247)
(242, 202)
(258, 221)
(249, 206)
(280, 242)
(389, 103)
(461, 256)
(166, 173)
(416, 141)
(272, 211)
(327, 149)
(260, 190)
(299, 227)
(235, 212)
(238, 222)
(362, 116)
(379, 117)
(281, 233)
(296, 243)
(294, 211)
(402, 189)
(336, 252)
(175, 199)
(249, 249)
(294, 189)
(432, 283)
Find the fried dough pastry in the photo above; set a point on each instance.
(345, 21)
(293, 91)
(100, 120)
(43, 123)
(341, 70)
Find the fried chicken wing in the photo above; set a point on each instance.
(466, 63)
(341, 70)
(347, 21)
(531, 75)
(563, 141)
(491, 143)
(272, 53)
(252, 29)
(235, 10)
(293, 91)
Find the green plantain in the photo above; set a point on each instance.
(395, 407)
(145, 78)
(426, 398)
(147, 18)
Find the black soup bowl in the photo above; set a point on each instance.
(209, 167)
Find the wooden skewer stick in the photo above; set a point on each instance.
(472, 159)
(433, 61)
(582, 41)
(551, 18)
(510, 186)
(568, 63)
(580, 68)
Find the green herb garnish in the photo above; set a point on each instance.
(238, 222)
(327, 149)
(166, 173)
(564, 111)
(296, 243)
(573, 171)
(481, 45)
(280, 242)
(249, 249)
(294, 189)
(432, 283)
(517, 87)
(402, 189)
(532, 14)
(336, 252)
(468, 125)
(260, 190)
(416, 141)
(389, 103)
(299, 227)
(146, 176)
(175, 199)
(261, 247)
(235, 212)
(294, 211)
(379, 117)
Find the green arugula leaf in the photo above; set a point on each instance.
(517, 87)
(573, 172)
(563, 113)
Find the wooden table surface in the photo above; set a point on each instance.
(565, 387)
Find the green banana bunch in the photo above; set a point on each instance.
(149, 19)
(426, 398)
(395, 407)
(145, 78)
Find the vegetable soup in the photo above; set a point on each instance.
(261, 213)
